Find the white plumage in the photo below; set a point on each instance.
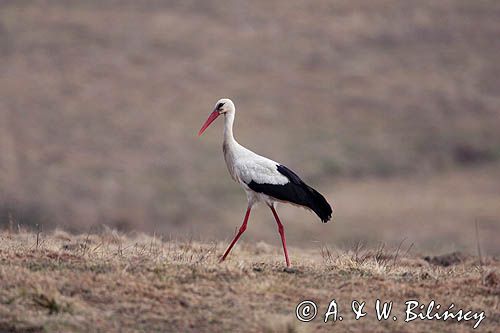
(249, 166)
(263, 179)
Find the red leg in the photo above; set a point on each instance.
(282, 234)
(240, 232)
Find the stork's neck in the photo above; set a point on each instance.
(228, 127)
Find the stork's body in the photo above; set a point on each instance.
(263, 179)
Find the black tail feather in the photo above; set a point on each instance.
(318, 204)
(296, 192)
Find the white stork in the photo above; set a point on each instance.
(263, 180)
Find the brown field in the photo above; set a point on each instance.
(391, 108)
(109, 282)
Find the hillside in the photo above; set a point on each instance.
(390, 108)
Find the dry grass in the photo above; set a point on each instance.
(109, 282)
(388, 107)
(100, 101)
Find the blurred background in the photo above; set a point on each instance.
(389, 108)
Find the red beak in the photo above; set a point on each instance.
(207, 123)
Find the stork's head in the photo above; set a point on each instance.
(223, 106)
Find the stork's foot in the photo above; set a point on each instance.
(290, 270)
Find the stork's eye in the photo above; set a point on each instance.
(219, 106)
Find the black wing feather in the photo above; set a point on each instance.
(297, 192)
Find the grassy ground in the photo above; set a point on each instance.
(110, 282)
(100, 101)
